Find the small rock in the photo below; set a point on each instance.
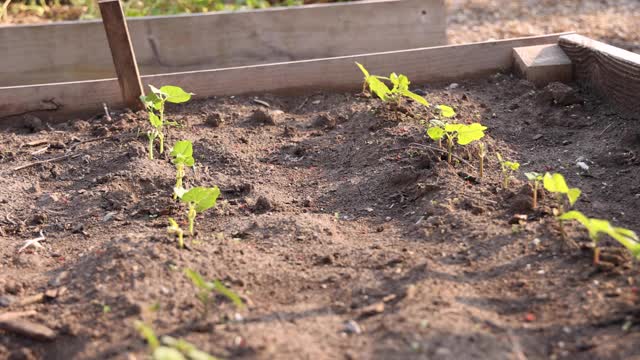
(12, 287)
(453, 86)
(7, 300)
(60, 279)
(262, 205)
(325, 121)
(307, 202)
(582, 165)
(352, 327)
(33, 123)
(136, 150)
(373, 309)
(215, 119)
(517, 219)
(267, 117)
(560, 94)
(537, 136)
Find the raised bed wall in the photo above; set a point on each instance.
(75, 51)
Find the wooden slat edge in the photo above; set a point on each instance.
(613, 72)
(435, 64)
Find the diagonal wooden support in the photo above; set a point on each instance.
(124, 58)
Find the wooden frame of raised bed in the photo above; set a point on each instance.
(612, 71)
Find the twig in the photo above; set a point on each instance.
(302, 105)
(106, 112)
(46, 161)
(33, 242)
(605, 129)
(16, 315)
(441, 151)
(74, 146)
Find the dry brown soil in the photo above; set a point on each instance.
(330, 216)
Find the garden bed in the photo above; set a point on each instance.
(344, 238)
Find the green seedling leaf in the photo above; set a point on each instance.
(533, 176)
(187, 348)
(167, 353)
(148, 334)
(198, 280)
(470, 133)
(226, 292)
(182, 153)
(435, 133)
(446, 111)
(507, 167)
(364, 71)
(573, 194)
(555, 183)
(175, 94)
(202, 198)
(415, 97)
(155, 121)
(511, 165)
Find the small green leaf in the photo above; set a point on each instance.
(573, 194)
(203, 198)
(403, 84)
(235, 299)
(555, 183)
(147, 333)
(415, 97)
(167, 353)
(154, 120)
(175, 94)
(470, 133)
(435, 133)
(452, 128)
(446, 111)
(575, 215)
(364, 71)
(379, 88)
(182, 153)
(533, 176)
(512, 165)
(197, 280)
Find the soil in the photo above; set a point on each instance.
(344, 235)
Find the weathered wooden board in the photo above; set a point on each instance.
(613, 72)
(542, 64)
(74, 51)
(124, 58)
(442, 63)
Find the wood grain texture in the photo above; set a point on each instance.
(542, 64)
(73, 51)
(613, 72)
(124, 58)
(442, 63)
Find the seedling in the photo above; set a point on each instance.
(464, 134)
(199, 200)
(155, 105)
(535, 179)
(170, 348)
(396, 94)
(181, 156)
(596, 227)
(175, 229)
(482, 153)
(507, 168)
(556, 184)
(205, 288)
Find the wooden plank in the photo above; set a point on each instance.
(124, 58)
(73, 51)
(613, 72)
(542, 64)
(443, 63)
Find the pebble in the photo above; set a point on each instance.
(352, 327)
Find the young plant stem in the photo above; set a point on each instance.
(449, 148)
(150, 147)
(179, 177)
(535, 194)
(181, 239)
(481, 166)
(192, 217)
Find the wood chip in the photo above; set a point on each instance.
(373, 309)
(29, 329)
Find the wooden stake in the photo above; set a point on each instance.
(124, 58)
